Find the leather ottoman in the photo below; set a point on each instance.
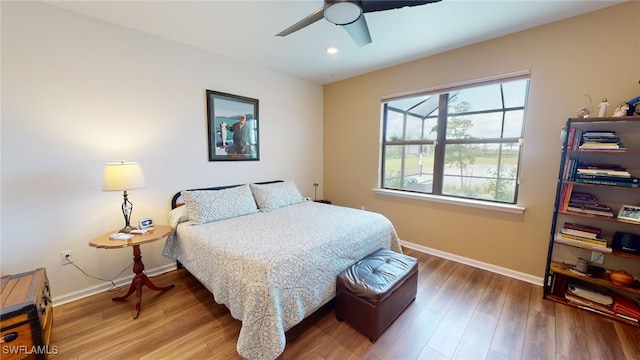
(374, 291)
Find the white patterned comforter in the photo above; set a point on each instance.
(273, 269)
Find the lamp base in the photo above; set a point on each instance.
(127, 229)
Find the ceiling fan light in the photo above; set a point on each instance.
(342, 13)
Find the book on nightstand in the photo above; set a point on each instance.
(121, 236)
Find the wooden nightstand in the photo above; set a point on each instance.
(140, 279)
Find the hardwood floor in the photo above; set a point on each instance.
(460, 312)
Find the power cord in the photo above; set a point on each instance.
(597, 259)
(114, 287)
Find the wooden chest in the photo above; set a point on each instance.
(26, 316)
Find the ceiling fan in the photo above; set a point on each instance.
(350, 15)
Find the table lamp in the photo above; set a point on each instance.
(123, 176)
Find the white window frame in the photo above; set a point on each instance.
(475, 203)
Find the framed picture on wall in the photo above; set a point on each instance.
(232, 122)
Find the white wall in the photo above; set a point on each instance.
(78, 92)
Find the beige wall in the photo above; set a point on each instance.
(596, 54)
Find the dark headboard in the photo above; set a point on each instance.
(176, 196)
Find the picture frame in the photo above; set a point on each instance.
(233, 131)
(629, 213)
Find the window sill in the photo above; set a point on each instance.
(510, 208)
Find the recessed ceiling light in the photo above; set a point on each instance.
(331, 49)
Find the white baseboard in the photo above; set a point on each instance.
(123, 282)
(535, 280)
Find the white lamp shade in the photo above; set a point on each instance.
(122, 176)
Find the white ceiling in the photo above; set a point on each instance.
(245, 29)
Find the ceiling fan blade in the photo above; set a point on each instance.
(359, 31)
(381, 5)
(313, 17)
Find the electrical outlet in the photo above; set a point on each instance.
(65, 257)
(597, 257)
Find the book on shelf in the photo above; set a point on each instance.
(565, 194)
(574, 299)
(600, 146)
(570, 167)
(589, 207)
(603, 172)
(602, 166)
(626, 317)
(596, 166)
(600, 140)
(587, 234)
(611, 182)
(586, 139)
(574, 138)
(607, 173)
(582, 210)
(616, 148)
(608, 149)
(629, 179)
(582, 244)
(626, 306)
(590, 294)
(557, 284)
(599, 134)
(581, 227)
(577, 195)
(598, 242)
(588, 204)
(583, 202)
(580, 233)
(604, 312)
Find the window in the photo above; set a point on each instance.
(460, 142)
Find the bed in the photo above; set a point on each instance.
(272, 259)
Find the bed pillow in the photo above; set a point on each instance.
(177, 216)
(273, 196)
(204, 206)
